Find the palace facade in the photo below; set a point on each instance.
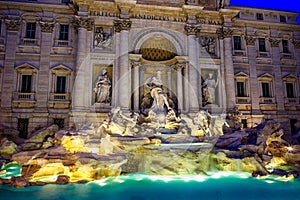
(69, 62)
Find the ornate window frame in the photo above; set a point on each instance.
(290, 78)
(26, 69)
(266, 78)
(242, 77)
(60, 70)
(29, 18)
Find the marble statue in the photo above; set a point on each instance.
(202, 120)
(102, 89)
(156, 105)
(217, 123)
(209, 87)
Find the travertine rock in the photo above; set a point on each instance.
(19, 182)
(7, 148)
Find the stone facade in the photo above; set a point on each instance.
(51, 53)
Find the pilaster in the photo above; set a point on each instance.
(254, 87)
(42, 81)
(8, 81)
(279, 95)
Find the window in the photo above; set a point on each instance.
(282, 19)
(265, 87)
(23, 128)
(30, 30)
(259, 16)
(237, 43)
(64, 32)
(285, 46)
(261, 44)
(290, 90)
(241, 89)
(61, 84)
(26, 83)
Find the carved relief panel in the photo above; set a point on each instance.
(103, 38)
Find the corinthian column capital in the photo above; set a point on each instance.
(122, 24)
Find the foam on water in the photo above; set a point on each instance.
(222, 185)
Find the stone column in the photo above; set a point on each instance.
(278, 85)
(186, 87)
(179, 67)
(124, 83)
(225, 35)
(296, 44)
(115, 77)
(80, 87)
(136, 83)
(8, 78)
(169, 81)
(42, 82)
(193, 71)
(254, 87)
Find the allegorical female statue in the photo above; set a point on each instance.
(102, 89)
(209, 88)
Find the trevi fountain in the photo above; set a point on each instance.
(157, 145)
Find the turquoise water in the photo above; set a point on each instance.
(142, 187)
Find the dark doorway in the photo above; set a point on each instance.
(23, 128)
(244, 122)
(293, 126)
(59, 122)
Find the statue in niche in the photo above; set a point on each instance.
(209, 89)
(208, 44)
(102, 40)
(102, 89)
(223, 3)
(156, 105)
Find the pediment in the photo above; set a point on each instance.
(266, 76)
(26, 67)
(61, 69)
(241, 75)
(290, 77)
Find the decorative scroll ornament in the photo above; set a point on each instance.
(179, 66)
(296, 43)
(121, 25)
(13, 24)
(191, 29)
(274, 42)
(86, 23)
(47, 27)
(250, 40)
(224, 32)
(135, 64)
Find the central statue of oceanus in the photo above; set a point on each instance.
(157, 106)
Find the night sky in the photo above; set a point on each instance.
(289, 5)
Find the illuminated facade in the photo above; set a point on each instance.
(53, 51)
